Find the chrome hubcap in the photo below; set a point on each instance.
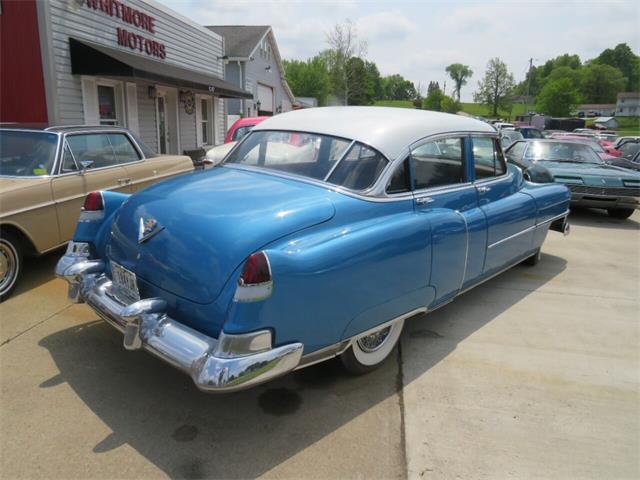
(373, 342)
(7, 266)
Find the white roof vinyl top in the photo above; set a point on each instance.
(389, 130)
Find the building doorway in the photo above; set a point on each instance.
(167, 120)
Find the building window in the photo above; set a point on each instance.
(107, 110)
(205, 121)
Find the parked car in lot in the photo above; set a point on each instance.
(529, 132)
(593, 183)
(362, 218)
(46, 173)
(508, 136)
(242, 127)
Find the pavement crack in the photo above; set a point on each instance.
(35, 325)
(400, 390)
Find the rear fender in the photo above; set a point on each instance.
(95, 230)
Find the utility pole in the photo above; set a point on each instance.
(526, 99)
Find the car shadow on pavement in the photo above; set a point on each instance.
(37, 270)
(593, 217)
(156, 409)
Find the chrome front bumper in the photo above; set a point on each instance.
(226, 364)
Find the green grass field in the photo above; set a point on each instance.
(394, 103)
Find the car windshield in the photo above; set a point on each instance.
(321, 157)
(531, 133)
(561, 152)
(27, 154)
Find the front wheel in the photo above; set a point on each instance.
(367, 352)
(620, 213)
(10, 264)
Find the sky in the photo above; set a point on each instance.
(418, 39)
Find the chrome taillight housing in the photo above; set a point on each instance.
(255, 282)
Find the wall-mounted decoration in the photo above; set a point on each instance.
(189, 100)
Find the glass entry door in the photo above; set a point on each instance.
(161, 106)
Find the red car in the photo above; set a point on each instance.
(241, 127)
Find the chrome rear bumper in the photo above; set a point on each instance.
(229, 363)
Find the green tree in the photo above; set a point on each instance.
(374, 76)
(396, 87)
(433, 101)
(449, 104)
(601, 83)
(623, 58)
(343, 44)
(496, 87)
(459, 73)
(360, 88)
(308, 78)
(433, 86)
(558, 98)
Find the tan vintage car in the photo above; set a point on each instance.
(45, 175)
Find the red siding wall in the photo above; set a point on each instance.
(22, 94)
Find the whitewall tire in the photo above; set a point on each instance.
(10, 264)
(369, 351)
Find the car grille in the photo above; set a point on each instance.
(610, 191)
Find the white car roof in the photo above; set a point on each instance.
(388, 130)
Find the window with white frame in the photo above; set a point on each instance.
(205, 121)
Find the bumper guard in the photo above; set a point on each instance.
(226, 364)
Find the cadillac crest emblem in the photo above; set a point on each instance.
(148, 228)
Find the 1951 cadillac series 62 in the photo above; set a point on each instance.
(319, 234)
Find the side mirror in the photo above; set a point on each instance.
(85, 165)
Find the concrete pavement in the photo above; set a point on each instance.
(534, 374)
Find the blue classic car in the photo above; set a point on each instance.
(593, 183)
(321, 232)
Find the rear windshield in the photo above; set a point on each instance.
(321, 157)
(27, 154)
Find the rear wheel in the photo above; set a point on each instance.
(10, 264)
(620, 213)
(369, 351)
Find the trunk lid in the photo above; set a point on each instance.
(208, 223)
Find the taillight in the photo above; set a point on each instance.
(256, 270)
(255, 282)
(93, 202)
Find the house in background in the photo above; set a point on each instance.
(253, 64)
(596, 110)
(628, 104)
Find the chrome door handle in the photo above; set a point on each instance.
(484, 189)
(124, 180)
(423, 200)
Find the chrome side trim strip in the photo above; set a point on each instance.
(337, 348)
(510, 237)
(526, 230)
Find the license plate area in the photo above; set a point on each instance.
(125, 284)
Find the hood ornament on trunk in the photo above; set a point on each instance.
(148, 228)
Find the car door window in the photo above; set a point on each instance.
(438, 163)
(400, 181)
(122, 147)
(488, 158)
(68, 162)
(94, 148)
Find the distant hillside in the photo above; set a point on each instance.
(471, 108)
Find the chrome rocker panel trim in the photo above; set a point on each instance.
(226, 364)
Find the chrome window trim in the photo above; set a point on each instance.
(344, 154)
(93, 132)
(73, 157)
(494, 179)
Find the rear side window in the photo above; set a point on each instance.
(124, 150)
(488, 158)
(359, 169)
(438, 163)
(94, 148)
